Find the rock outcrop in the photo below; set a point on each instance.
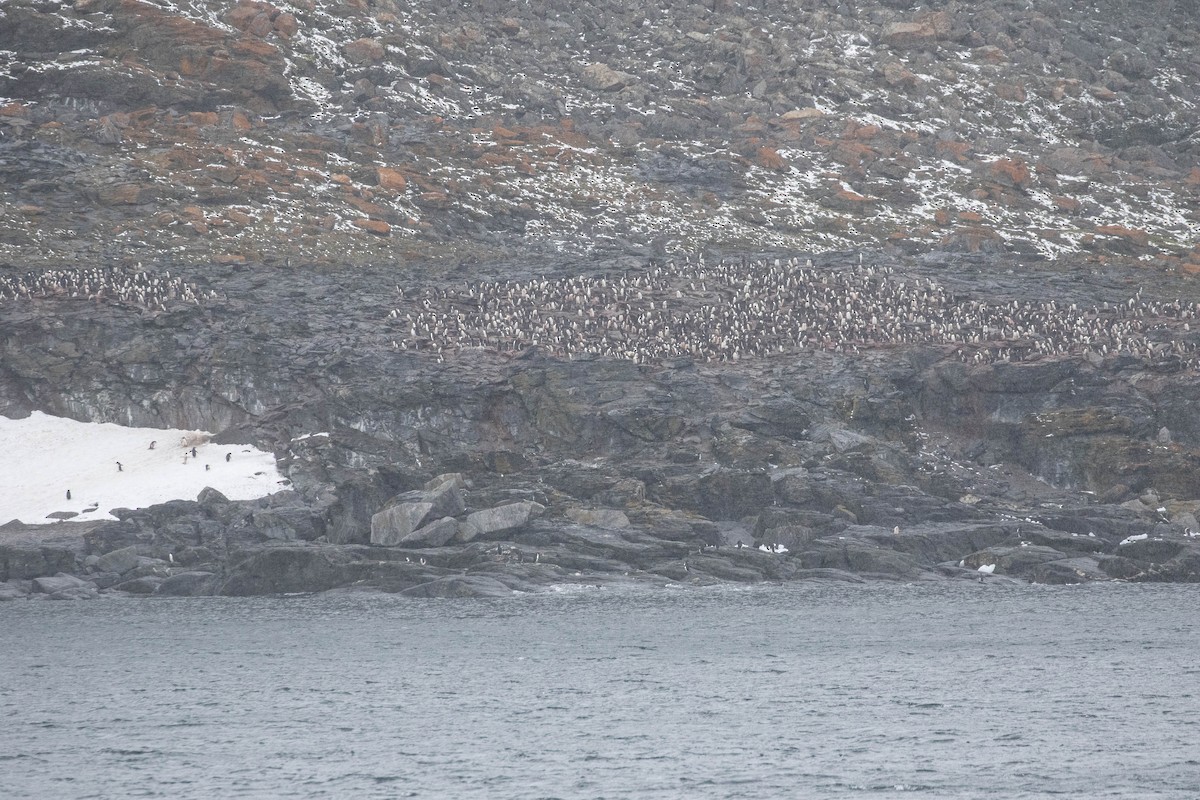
(318, 175)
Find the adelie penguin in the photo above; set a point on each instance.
(68, 494)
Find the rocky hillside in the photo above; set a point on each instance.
(519, 294)
(377, 131)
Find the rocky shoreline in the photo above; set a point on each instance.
(311, 207)
(488, 474)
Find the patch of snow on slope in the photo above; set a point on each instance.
(44, 456)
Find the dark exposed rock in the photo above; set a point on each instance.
(493, 522)
(186, 584)
(467, 147)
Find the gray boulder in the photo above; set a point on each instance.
(456, 478)
(493, 522)
(390, 526)
(11, 591)
(435, 534)
(599, 517)
(60, 583)
(460, 586)
(446, 499)
(147, 584)
(118, 561)
(186, 584)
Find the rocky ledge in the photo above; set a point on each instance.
(476, 472)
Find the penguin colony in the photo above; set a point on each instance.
(149, 290)
(735, 310)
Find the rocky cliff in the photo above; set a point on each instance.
(326, 173)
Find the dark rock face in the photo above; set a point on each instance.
(478, 472)
(306, 191)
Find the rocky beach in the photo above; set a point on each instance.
(525, 297)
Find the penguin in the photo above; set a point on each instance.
(152, 443)
(193, 452)
(68, 494)
(228, 456)
(120, 468)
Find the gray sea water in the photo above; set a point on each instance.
(947, 690)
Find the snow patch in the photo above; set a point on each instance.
(44, 457)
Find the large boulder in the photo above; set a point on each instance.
(64, 587)
(492, 523)
(435, 534)
(446, 500)
(599, 517)
(186, 584)
(390, 526)
(118, 561)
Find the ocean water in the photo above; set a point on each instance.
(804, 690)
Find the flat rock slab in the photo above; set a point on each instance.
(493, 522)
(390, 526)
(59, 583)
(186, 584)
(460, 586)
(435, 534)
(118, 561)
(599, 517)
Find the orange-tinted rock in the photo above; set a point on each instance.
(229, 258)
(238, 217)
(364, 51)
(769, 158)
(956, 151)
(802, 114)
(286, 25)
(970, 216)
(366, 206)
(1009, 171)
(123, 194)
(1012, 92)
(942, 217)
(241, 15)
(434, 199)
(1135, 236)
(261, 25)
(203, 118)
(863, 133)
(1068, 205)
(1193, 177)
(974, 240)
(896, 74)
(990, 54)
(375, 226)
(510, 26)
(923, 33)
(239, 121)
(391, 180)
